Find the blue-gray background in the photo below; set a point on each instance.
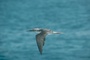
(69, 16)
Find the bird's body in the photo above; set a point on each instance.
(40, 37)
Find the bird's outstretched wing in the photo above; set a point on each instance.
(40, 38)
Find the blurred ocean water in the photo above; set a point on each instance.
(69, 16)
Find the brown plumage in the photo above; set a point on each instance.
(40, 37)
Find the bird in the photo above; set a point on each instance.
(40, 37)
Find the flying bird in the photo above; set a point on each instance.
(40, 37)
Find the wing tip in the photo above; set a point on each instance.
(41, 53)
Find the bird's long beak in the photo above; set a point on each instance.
(29, 30)
(37, 31)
